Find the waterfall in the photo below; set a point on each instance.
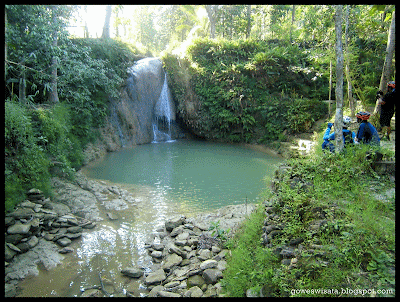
(164, 115)
(145, 112)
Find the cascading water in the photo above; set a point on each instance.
(164, 115)
(145, 112)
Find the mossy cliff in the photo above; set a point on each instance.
(246, 91)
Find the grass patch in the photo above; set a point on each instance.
(354, 249)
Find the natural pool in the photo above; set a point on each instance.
(179, 177)
(195, 175)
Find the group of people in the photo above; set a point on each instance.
(366, 133)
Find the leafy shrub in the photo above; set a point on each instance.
(237, 85)
(26, 164)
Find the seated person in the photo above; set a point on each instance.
(366, 133)
(348, 136)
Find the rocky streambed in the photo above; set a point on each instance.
(160, 252)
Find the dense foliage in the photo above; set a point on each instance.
(249, 90)
(44, 139)
(354, 249)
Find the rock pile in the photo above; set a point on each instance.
(188, 261)
(37, 219)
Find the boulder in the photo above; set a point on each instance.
(176, 231)
(173, 223)
(204, 254)
(64, 241)
(158, 246)
(171, 261)
(66, 250)
(195, 280)
(194, 292)
(172, 248)
(132, 272)
(155, 290)
(165, 294)
(208, 264)
(155, 277)
(172, 284)
(33, 242)
(22, 213)
(74, 229)
(156, 254)
(182, 236)
(9, 253)
(212, 275)
(19, 228)
(92, 293)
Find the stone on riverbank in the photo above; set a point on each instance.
(132, 272)
(155, 277)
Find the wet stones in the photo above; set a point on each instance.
(187, 260)
(186, 269)
(38, 217)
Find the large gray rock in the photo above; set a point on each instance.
(171, 261)
(163, 293)
(173, 223)
(212, 275)
(45, 253)
(132, 272)
(208, 264)
(19, 228)
(81, 202)
(64, 241)
(195, 280)
(155, 277)
(8, 253)
(194, 292)
(22, 213)
(117, 204)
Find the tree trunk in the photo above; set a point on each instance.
(248, 21)
(106, 28)
(5, 43)
(53, 95)
(388, 62)
(389, 56)
(347, 70)
(291, 26)
(339, 81)
(212, 14)
(22, 85)
(86, 28)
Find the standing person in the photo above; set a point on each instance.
(387, 109)
(366, 133)
(348, 136)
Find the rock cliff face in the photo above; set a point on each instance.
(133, 115)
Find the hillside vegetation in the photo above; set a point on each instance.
(43, 139)
(254, 91)
(333, 232)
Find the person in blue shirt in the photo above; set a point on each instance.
(348, 136)
(366, 133)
